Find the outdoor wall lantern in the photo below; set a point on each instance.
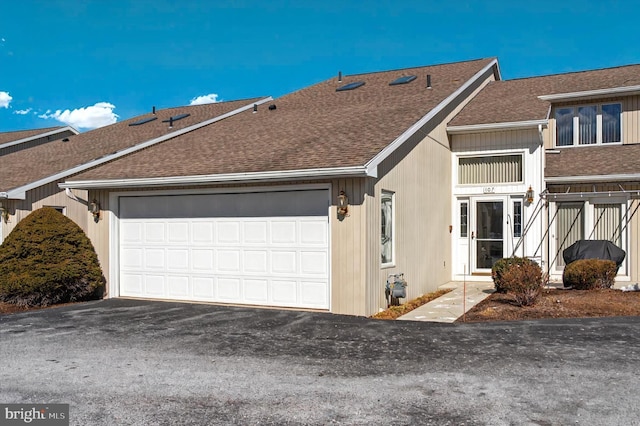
(94, 207)
(530, 194)
(343, 204)
(4, 213)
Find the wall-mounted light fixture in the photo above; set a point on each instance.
(94, 207)
(529, 195)
(4, 213)
(343, 204)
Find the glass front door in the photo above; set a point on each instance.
(489, 235)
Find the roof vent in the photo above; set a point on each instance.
(350, 86)
(428, 81)
(255, 108)
(65, 140)
(272, 107)
(153, 109)
(339, 76)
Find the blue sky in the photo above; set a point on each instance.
(87, 63)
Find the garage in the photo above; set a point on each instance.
(256, 248)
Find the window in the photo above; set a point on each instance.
(59, 209)
(464, 220)
(517, 219)
(588, 125)
(496, 169)
(387, 225)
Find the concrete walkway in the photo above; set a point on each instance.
(451, 306)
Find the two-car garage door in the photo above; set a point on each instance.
(259, 248)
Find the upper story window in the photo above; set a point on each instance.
(588, 124)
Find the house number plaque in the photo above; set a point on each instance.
(489, 190)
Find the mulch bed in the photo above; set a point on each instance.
(557, 303)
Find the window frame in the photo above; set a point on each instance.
(575, 124)
(517, 215)
(463, 225)
(388, 196)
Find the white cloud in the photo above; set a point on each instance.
(206, 99)
(91, 117)
(5, 99)
(22, 111)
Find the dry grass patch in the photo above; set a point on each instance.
(394, 312)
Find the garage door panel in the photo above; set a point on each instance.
(202, 233)
(228, 260)
(274, 251)
(283, 262)
(255, 233)
(154, 232)
(132, 258)
(132, 284)
(154, 285)
(178, 259)
(178, 232)
(154, 259)
(313, 262)
(313, 233)
(285, 292)
(203, 288)
(202, 260)
(229, 289)
(178, 286)
(283, 232)
(255, 261)
(228, 232)
(313, 294)
(256, 291)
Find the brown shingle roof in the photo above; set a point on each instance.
(315, 127)
(22, 167)
(517, 100)
(593, 161)
(7, 137)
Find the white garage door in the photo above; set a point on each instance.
(262, 248)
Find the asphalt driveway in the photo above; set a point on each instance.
(133, 362)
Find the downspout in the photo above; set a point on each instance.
(543, 186)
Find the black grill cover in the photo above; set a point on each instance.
(593, 249)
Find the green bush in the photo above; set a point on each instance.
(47, 259)
(499, 268)
(589, 274)
(523, 281)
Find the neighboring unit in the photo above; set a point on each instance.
(585, 185)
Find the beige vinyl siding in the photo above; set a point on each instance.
(419, 175)
(569, 227)
(48, 195)
(490, 169)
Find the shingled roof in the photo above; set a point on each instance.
(6, 137)
(43, 161)
(508, 101)
(593, 161)
(314, 128)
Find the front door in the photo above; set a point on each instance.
(488, 234)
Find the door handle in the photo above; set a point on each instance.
(473, 235)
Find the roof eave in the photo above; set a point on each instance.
(271, 176)
(372, 164)
(591, 94)
(622, 177)
(39, 135)
(20, 192)
(489, 127)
